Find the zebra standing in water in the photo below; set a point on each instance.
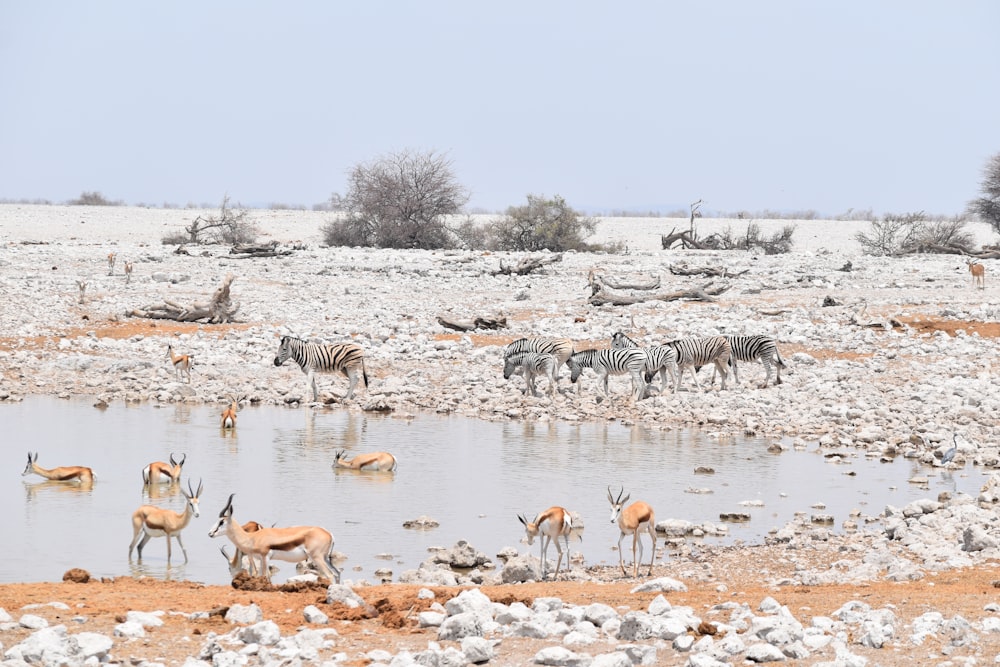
(698, 352)
(533, 364)
(751, 348)
(662, 358)
(560, 348)
(611, 362)
(347, 358)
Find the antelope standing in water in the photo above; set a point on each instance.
(160, 472)
(152, 521)
(373, 461)
(80, 474)
(228, 420)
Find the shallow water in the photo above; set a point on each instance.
(473, 477)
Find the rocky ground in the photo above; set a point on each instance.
(886, 357)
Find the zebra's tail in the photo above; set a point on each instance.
(364, 373)
(777, 355)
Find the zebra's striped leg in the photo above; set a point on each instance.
(638, 385)
(352, 375)
(311, 381)
(767, 370)
(723, 373)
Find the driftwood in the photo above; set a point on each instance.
(705, 293)
(611, 283)
(707, 271)
(686, 238)
(472, 325)
(528, 264)
(250, 250)
(219, 310)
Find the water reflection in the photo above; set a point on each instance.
(473, 477)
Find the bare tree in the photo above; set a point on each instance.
(903, 234)
(399, 201)
(230, 226)
(987, 207)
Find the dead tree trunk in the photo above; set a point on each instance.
(687, 240)
(220, 310)
(705, 293)
(527, 265)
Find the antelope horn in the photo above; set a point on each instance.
(172, 462)
(201, 485)
(184, 457)
(228, 507)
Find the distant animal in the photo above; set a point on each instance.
(180, 362)
(633, 520)
(312, 358)
(111, 262)
(159, 472)
(373, 461)
(310, 542)
(151, 521)
(128, 272)
(553, 523)
(949, 454)
(533, 364)
(228, 419)
(978, 272)
(560, 348)
(61, 474)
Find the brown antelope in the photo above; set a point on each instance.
(240, 562)
(80, 474)
(128, 272)
(373, 461)
(553, 523)
(633, 520)
(180, 362)
(112, 256)
(152, 521)
(161, 473)
(298, 542)
(978, 272)
(229, 414)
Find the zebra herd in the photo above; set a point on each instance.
(544, 356)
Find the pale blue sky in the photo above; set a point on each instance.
(614, 105)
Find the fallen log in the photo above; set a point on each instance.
(527, 265)
(473, 324)
(686, 238)
(611, 283)
(705, 293)
(707, 271)
(251, 250)
(220, 310)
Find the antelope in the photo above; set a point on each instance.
(181, 363)
(229, 414)
(128, 272)
(160, 472)
(154, 521)
(553, 523)
(112, 256)
(978, 272)
(296, 543)
(240, 562)
(80, 474)
(632, 520)
(373, 461)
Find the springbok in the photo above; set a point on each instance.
(553, 523)
(240, 562)
(373, 461)
(633, 520)
(228, 419)
(978, 272)
(128, 272)
(112, 256)
(159, 472)
(80, 474)
(180, 362)
(154, 521)
(310, 542)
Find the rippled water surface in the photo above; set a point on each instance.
(473, 477)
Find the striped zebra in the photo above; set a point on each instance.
(532, 364)
(611, 362)
(694, 353)
(659, 358)
(560, 348)
(752, 348)
(347, 358)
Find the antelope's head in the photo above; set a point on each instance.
(31, 463)
(225, 517)
(617, 503)
(530, 529)
(192, 497)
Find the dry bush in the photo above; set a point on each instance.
(902, 234)
(94, 199)
(752, 238)
(230, 226)
(541, 224)
(987, 207)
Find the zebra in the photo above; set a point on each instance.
(662, 358)
(611, 362)
(560, 348)
(533, 364)
(314, 358)
(751, 348)
(697, 352)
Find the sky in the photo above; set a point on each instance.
(614, 106)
